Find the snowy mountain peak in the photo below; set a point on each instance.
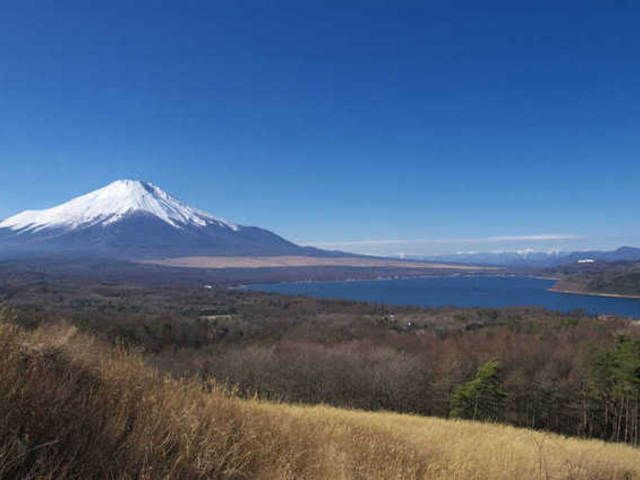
(110, 204)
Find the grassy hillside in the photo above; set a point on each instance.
(71, 407)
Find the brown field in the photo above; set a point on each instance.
(300, 261)
(71, 407)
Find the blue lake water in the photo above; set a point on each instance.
(461, 291)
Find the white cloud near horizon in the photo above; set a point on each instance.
(428, 241)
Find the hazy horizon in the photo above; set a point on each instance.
(442, 246)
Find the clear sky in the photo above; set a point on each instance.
(379, 127)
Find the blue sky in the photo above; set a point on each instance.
(379, 127)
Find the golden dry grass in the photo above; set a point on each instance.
(73, 408)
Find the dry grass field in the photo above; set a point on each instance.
(71, 407)
(300, 261)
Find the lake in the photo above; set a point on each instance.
(460, 291)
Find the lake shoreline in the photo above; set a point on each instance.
(244, 286)
(594, 294)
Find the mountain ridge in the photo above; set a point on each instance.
(135, 219)
(536, 259)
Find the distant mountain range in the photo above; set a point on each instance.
(535, 259)
(134, 219)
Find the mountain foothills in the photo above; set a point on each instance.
(134, 219)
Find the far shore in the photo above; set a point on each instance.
(305, 261)
(594, 294)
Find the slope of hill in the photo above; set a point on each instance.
(609, 279)
(73, 408)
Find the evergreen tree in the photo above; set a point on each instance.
(614, 387)
(482, 398)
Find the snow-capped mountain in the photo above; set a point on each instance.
(131, 219)
(516, 258)
(109, 205)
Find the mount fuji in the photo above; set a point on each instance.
(134, 219)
